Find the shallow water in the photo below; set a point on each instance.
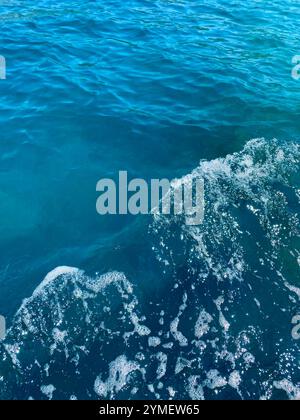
(153, 88)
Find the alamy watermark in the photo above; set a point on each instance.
(296, 329)
(296, 68)
(160, 196)
(2, 327)
(2, 68)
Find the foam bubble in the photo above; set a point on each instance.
(119, 373)
(202, 324)
(154, 341)
(48, 390)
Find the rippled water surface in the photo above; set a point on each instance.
(152, 308)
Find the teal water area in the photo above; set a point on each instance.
(153, 308)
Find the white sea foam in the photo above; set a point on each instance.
(202, 324)
(162, 367)
(119, 372)
(178, 335)
(48, 390)
(214, 380)
(195, 389)
(181, 364)
(235, 379)
(154, 341)
(292, 391)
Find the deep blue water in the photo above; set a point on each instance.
(160, 89)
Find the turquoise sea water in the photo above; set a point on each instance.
(151, 308)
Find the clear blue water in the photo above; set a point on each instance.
(157, 310)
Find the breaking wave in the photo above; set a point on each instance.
(221, 328)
